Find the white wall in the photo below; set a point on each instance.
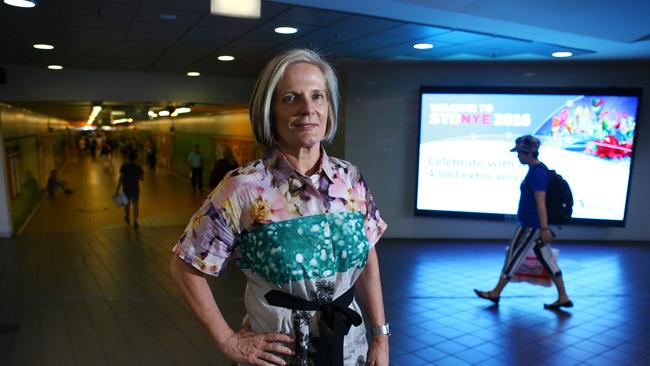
(381, 114)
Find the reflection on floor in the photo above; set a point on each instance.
(81, 287)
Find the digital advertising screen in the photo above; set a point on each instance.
(466, 169)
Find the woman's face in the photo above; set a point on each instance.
(300, 107)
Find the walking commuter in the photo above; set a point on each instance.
(195, 159)
(533, 231)
(131, 174)
(222, 166)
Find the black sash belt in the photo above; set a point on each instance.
(335, 322)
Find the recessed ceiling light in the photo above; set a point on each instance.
(54, 67)
(193, 73)
(169, 17)
(422, 46)
(562, 54)
(225, 58)
(286, 30)
(43, 46)
(21, 3)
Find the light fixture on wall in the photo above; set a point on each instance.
(236, 8)
(21, 3)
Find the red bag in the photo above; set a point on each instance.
(532, 271)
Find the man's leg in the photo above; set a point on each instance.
(193, 178)
(522, 241)
(545, 256)
(126, 213)
(135, 214)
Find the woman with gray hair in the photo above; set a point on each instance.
(300, 225)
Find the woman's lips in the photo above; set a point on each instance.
(305, 125)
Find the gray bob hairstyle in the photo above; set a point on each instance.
(261, 113)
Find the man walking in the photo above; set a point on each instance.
(533, 230)
(195, 159)
(131, 174)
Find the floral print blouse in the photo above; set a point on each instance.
(306, 236)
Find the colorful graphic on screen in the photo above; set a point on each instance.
(465, 163)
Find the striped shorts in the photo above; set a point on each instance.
(524, 239)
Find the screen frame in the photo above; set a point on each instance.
(611, 91)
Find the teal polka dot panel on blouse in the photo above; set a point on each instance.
(305, 248)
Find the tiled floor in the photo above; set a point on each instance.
(79, 287)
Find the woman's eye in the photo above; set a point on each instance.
(288, 98)
(318, 96)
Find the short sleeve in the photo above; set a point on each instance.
(373, 223)
(208, 242)
(539, 180)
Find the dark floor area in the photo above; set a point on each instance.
(80, 287)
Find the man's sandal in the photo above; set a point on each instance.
(487, 295)
(556, 305)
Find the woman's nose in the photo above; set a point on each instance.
(306, 105)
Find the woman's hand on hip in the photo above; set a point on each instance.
(378, 352)
(246, 346)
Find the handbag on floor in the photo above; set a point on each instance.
(532, 271)
(120, 199)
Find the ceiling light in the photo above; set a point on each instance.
(562, 54)
(54, 67)
(21, 3)
(93, 114)
(43, 46)
(236, 8)
(193, 73)
(164, 113)
(181, 110)
(122, 120)
(286, 30)
(168, 17)
(423, 46)
(225, 58)
(152, 114)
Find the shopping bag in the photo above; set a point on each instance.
(120, 199)
(532, 271)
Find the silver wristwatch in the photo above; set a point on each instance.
(381, 330)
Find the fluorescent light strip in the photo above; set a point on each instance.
(237, 8)
(181, 110)
(193, 73)
(55, 67)
(93, 114)
(122, 120)
(43, 46)
(226, 58)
